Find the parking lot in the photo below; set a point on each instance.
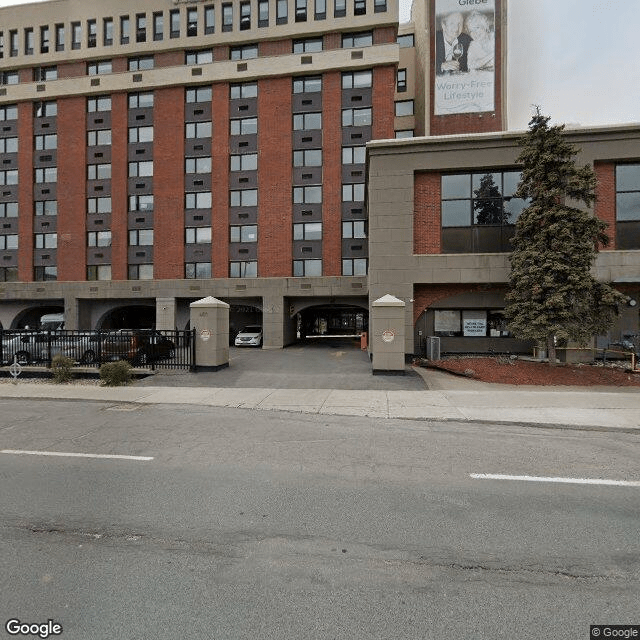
(323, 364)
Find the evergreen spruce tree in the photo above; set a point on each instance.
(552, 295)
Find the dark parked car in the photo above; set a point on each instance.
(139, 346)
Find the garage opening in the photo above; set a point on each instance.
(324, 322)
(129, 317)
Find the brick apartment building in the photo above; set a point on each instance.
(157, 154)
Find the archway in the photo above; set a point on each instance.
(30, 318)
(128, 317)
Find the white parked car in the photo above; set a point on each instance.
(250, 336)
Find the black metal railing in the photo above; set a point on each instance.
(142, 348)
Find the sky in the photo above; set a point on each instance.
(576, 59)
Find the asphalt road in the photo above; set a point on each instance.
(288, 526)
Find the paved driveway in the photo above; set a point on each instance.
(327, 364)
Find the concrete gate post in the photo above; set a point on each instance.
(166, 314)
(386, 335)
(210, 318)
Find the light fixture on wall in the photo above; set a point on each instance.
(632, 302)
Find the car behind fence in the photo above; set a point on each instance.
(141, 347)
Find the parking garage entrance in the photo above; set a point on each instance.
(331, 321)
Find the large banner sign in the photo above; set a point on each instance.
(464, 56)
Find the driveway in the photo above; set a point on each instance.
(326, 364)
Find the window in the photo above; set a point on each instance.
(282, 11)
(192, 22)
(44, 274)
(140, 100)
(307, 195)
(8, 209)
(99, 239)
(243, 269)
(141, 27)
(339, 8)
(209, 20)
(44, 39)
(142, 169)
(245, 52)
(99, 138)
(46, 207)
(404, 133)
(307, 158)
(301, 10)
(307, 268)
(198, 130)
(203, 56)
(354, 266)
(59, 37)
(354, 155)
(9, 77)
(99, 272)
(356, 117)
(379, 6)
(353, 192)
(199, 94)
(357, 79)
(263, 13)
(45, 175)
(28, 41)
(98, 68)
(99, 103)
(244, 162)
(9, 242)
(197, 270)
(13, 43)
(406, 41)
(359, 7)
(243, 126)
(45, 240)
(92, 33)
(99, 205)
(9, 177)
(8, 274)
(197, 165)
(307, 84)
(140, 63)
(140, 272)
(199, 200)
(141, 203)
(174, 23)
(107, 31)
(76, 35)
(227, 17)
(197, 235)
(140, 134)
(244, 90)
(46, 109)
(320, 9)
(404, 108)
(8, 112)
(245, 16)
(8, 145)
(125, 29)
(401, 80)
(243, 233)
(307, 231)
(140, 237)
(43, 74)
(354, 229)
(351, 40)
(158, 26)
(243, 198)
(627, 192)
(99, 171)
(307, 121)
(308, 45)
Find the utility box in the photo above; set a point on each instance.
(210, 319)
(386, 335)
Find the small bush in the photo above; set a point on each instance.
(62, 369)
(115, 374)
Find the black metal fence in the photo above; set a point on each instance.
(142, 348)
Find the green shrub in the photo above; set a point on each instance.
(115, 374)
(62, 369)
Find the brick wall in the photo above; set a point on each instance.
(168, 183)
(384, 35)
(275, 47)
(72, 70)
(119, 198)
(332, 174)
(25, 192)
(605, 207)
(274, 178)
(426, 213)
(71, 190)
(220, 185)
(384, 79)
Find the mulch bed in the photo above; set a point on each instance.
(518, 372)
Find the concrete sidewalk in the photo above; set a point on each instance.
(463, 401)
